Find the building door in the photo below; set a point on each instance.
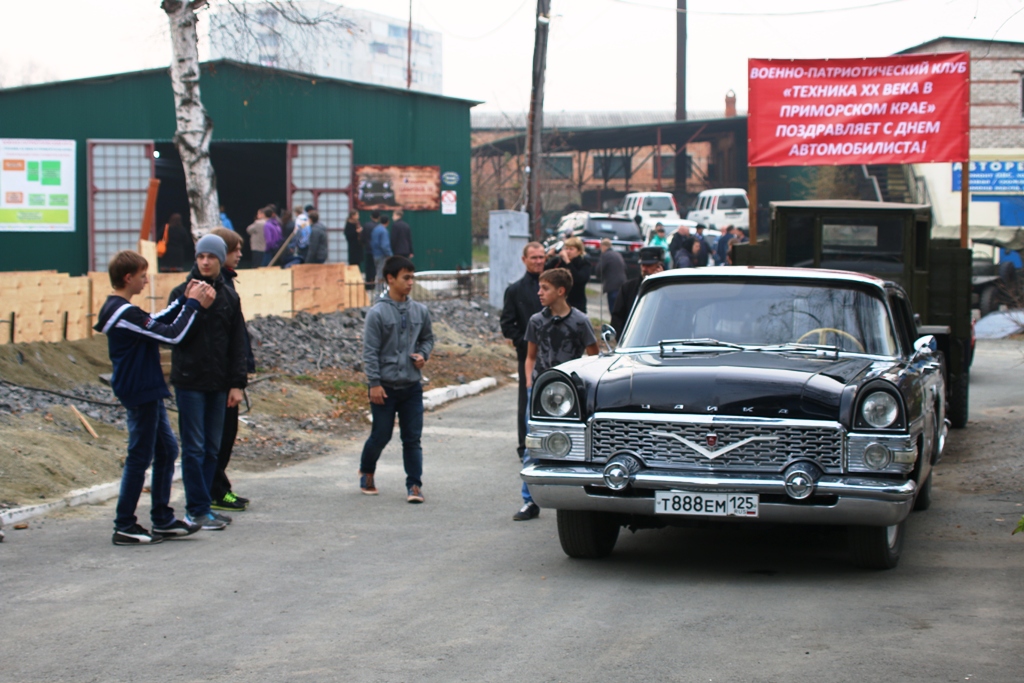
(320, 173)
(118, 178)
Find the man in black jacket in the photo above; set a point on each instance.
(208, 372)
(401, 235)
(652, 260)
(521, 302)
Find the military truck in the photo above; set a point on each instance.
(891, 241)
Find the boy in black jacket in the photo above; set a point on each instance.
(208, 371)
(133, 340)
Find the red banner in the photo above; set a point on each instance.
(907, 109)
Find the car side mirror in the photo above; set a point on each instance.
(608, 336)
(926, 344)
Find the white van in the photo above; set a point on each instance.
(651, 208)
(719, 208)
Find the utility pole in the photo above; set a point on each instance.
(536, 123)
(681, 158)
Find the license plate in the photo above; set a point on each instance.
(620, 247)
(706, 504)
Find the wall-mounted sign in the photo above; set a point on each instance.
(37, 185)
(448, 202)
(991, 176)
(383, 188)
(450, 178)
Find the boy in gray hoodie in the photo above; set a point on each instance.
(397, 341)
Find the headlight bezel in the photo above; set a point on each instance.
(880, 389)
(544, 382)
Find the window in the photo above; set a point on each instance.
(731, 202)
(397, 31)
(658, 204)
(609, 167)
(379, 48)
(557, 167)
(668, 167)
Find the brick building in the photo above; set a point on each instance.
(997, 137)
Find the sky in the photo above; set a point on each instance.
(603, 54)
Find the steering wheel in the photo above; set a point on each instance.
(823, 331)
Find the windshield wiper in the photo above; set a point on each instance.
(669, 346)
(795, 346)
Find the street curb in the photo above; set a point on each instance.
(100, 493)
(104, 492)
(442, 395)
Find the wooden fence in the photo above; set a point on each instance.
(51, 306)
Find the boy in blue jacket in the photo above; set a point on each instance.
(133, 341)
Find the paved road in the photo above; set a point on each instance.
(319, 583)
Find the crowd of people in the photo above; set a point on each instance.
(276, 238)
(696, 250)
(372, 242)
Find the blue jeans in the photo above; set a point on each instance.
(201, 425)
(527, 460)
(612, 296)
(150, 440)
(407, 403)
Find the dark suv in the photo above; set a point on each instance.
(592, 228)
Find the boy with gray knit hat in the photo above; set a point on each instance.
(208, 372)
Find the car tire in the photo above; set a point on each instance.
(923, 501)
(587, 535)
(987, 302)
(877, 547)
(959, 395)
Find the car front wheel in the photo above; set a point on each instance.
(877, 547)
(587, 535)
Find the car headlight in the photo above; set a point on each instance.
(557, 399)
(877, 456)
(880, 409)
(558, 444)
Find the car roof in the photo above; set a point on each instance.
(649, 194)
(850, 204)
(724, 190)
(726, 272)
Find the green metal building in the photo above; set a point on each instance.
(279, 137)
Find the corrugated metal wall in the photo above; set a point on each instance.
(247, 104)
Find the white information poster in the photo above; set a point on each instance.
(448, 202)
(37, 185)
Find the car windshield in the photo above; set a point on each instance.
(763, 313)
(658, 204)
(624, 229)
(731, 202)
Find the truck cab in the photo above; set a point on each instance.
(891, 241)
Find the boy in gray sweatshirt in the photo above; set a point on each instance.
(397, 341)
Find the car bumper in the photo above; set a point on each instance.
(837, 500)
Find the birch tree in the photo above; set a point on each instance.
(194, 127)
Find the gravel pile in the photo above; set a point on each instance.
(15, 400)
(311, 342)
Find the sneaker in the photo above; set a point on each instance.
(177, 529)
(228, 502)
(208, 522)
(366, 484)
(223, 518)
(414, 494)
(136, 535)
(243, 501)
(528, 511)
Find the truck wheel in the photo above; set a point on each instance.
(988, 302)
(924, 495)
(958, 396)
(587, 535)
(877, 547)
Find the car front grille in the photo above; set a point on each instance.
(771, 448)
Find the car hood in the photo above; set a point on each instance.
(747, 384)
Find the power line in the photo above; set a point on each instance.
(497, 28)
(763, 14)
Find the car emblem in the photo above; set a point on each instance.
(712, 454)
(712, 439)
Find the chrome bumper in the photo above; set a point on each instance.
(859, 500)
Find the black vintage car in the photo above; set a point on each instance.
(751, 394)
